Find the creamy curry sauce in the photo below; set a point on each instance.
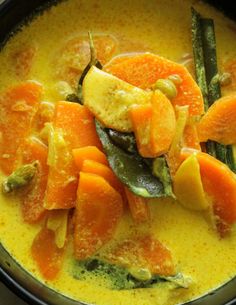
(162, 27)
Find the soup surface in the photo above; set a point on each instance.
(48, 51)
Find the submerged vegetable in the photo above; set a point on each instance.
(131, 169)
(21, 177)
(119, 278)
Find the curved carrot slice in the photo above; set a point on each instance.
(141, 116)
(144, 252)
(76, 126)
(33, 210)
(219, 182)
(88, 153)
(98, 211)
(163, 124)
(46, 254)
(93, 167)
(17, 106)
(138, 207)
(219, 122)
(144, 70)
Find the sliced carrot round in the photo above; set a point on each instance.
(98, 211)
(145, 69)
(219, 122)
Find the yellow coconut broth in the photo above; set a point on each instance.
(161, 27)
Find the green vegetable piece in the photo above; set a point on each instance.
(73, 98)
(119, 278)
(161, 171)
(93, 61)
(20, 177)
(225, 79)
(125, 141)
(176, 79)
(131, 169)
(167, 87)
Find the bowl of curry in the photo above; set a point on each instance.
(117, 152)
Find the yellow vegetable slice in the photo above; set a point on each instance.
(110, 98)
(188, 186)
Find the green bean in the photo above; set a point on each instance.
(167, 87)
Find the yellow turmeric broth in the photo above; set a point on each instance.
(42, 52)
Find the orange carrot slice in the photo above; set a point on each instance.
(98, 211)
(141, 116)
(144, 70)
(219, 183)
(163, 123)
(47, 255)
(69, 69)
(219, 122)
(17, 108)
(93, 167)
(32, 208)
(76, 125)
(88, 153)
(138, 207)
(144, 252)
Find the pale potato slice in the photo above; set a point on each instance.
(109, 98)
(188, 186)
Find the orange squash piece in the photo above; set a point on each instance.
(190, 136)
(46, 254)
(32, 208)
(141, 116)
(76, 124)
(93, 167)
(88, 153)
(98, 210)
(143, 70)
(163, 124)
(18, 106)
(219, 183)
(144, 252)
(219, 122)
(138, 207)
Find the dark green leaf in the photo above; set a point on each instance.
(119, 278)
(126, 141)
(131, 169)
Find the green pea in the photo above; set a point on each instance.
(225, 79)
(167, 87)
(176, 79)
(141, 274)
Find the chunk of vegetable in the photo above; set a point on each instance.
(219, 183)
(143, 70)
(138, 207)
(144, 252)
(163, 124)
(219, 122)
(88, 153)
(141, 116)
(32, 206)
(47, 255)
(98, 211)
(75, 128)
(93, 167)
(18, 106)
(188, 186)
(131, 169)
(109, 98)
(20, 178)
(58, 222)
